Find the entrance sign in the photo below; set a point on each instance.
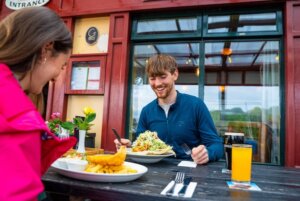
(18, 4)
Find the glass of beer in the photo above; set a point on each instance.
(241, 163)
(229, 139)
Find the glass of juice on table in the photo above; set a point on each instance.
(241, 164)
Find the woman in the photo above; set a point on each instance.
(35, 46)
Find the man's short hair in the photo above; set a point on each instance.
(158, 64)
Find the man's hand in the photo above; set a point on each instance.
(200, 154)
(125, 142)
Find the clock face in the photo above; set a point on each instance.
(91, 35)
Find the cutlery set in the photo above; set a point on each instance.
(179, 179)
(186, 183)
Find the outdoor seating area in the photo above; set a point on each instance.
(150, 100)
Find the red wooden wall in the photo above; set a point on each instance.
(79, 7)
(115, 94)
(292, 83)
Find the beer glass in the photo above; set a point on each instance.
(241, 163)
(229, 139)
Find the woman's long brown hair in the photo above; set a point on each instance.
(24, 32)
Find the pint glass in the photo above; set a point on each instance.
(229, 139)
(241, 163)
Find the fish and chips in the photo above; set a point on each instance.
(103, 163)
(109, 163)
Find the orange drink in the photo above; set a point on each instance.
(241, 163)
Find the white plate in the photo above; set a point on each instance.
(143, 158)
(100, 177)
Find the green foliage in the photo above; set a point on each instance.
(236, 120)
(55, 122)
(85, 124)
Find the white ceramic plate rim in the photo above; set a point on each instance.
(101, 177)
(138, 155)
(143, 155)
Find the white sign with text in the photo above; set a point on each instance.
(18, 4)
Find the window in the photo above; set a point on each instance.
(246, 98)
(235, 67)
(239, 24)
(166, 27)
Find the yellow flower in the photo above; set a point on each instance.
(85, 123)
(88, 110)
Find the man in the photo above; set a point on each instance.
(177, 118)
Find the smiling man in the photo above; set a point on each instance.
(178, 118)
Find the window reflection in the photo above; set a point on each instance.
(242, 23)
(249, 101)
(176, 25)
(241, 54)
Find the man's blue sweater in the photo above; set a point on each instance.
(188, 121)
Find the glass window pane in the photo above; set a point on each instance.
(167, 26)
(85, 75)
(187, 58)
(240, 23)
(248, 100)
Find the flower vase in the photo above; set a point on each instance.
(81, 142)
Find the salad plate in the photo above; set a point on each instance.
(143, 157)
(101, 177)
(148, 148)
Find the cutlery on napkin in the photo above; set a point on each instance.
(186, 183)
(188, 193)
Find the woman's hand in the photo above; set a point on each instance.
(200, 155)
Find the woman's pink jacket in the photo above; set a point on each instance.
(24, 156)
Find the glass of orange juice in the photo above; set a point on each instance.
(241, 163)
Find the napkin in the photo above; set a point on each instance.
(189, 191)
(188, 164)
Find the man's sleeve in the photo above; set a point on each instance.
(142, 123)
(209, 135)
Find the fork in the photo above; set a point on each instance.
(178, 179)
(186, 149)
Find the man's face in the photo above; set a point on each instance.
(163, 85)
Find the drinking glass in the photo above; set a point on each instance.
(229, 139)
(241, 163)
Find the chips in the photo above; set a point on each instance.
(109, 169)
(109, 163)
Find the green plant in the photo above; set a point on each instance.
(55, 122)
(85, 123)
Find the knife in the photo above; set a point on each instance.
(117, 135)
(186, 183)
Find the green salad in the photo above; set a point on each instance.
(149, 141)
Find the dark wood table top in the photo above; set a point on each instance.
(277, 183)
